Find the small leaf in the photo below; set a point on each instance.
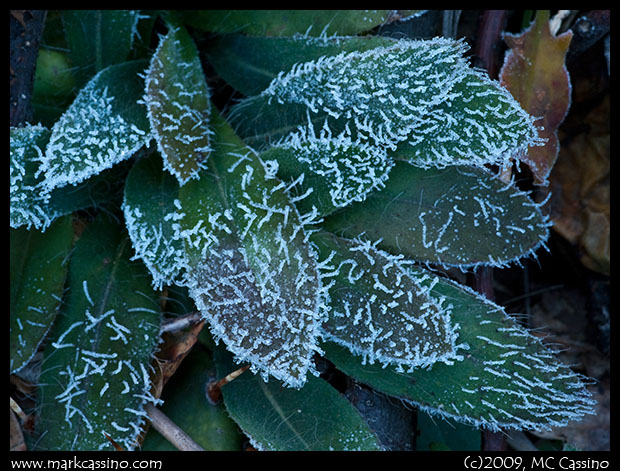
(507, 379)
(332, 172)
(186, 405)
(535, 73)
(103, 126)
(96, 376)
(455, 216)
(38, 269)
(316, 417)
(378, 310)
(179, 109)
(289, 22)
(149, 208)
(98, 38)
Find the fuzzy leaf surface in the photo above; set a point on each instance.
(38, 271)
(331, 172)
(103, 126)
(534, 71)
(179, 109)
(289, 22)
(507, 379)
(379, 311)
(456, 216)
(316, 417)
(98, 38)
(149, 208)
(248, 264)
(96, 373)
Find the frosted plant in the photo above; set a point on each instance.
(296, 223)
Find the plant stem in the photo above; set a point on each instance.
(170, 431)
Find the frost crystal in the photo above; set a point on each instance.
(103, 126)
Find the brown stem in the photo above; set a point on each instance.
(171, 431)
(214, 388)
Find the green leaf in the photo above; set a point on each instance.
(96, 373)
(186, 404)
(330, 172)
(433, 435)
(149, 207)
(455, 216)
(288, 22)
(249, 64)
(179, 109)
(38, 268)
(98, 38)
(507, 379)
(379, 310)
(103, 126)
(249, 266)
(29, 205)
(316, 417)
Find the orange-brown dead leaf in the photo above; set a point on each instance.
(535, 74)
(175, 348)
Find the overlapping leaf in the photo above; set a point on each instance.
(244, 256)
(455, 216)
(507, 378)
(38, 268)
(177, 100)
(103, 126)
(289, 22)
(96, 376)
(315, 418)
(379, 311)
(535, 73)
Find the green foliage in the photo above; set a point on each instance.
(294, 221)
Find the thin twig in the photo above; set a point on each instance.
(171, 431)
(181, 323)
(214, 388)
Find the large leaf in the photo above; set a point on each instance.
(507, 379)
(379, 311)
(535, 73)
(177, 100)
(38, 268)
(289, 22)
(316, 417)
(96, 373)
(103, 126)
(98, 38)
(455, 216)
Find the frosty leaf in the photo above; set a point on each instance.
(455, 216)
(289, 22)
(249, 267)
(535, 73)
(29, 206)
(96, 373)
(177, 100)
(103, 126)
(507, 379)
(98, 38)
(316, 417)
(38, 269)
(249, 64)
(378, 310)
(332, 171)
(149, 211)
